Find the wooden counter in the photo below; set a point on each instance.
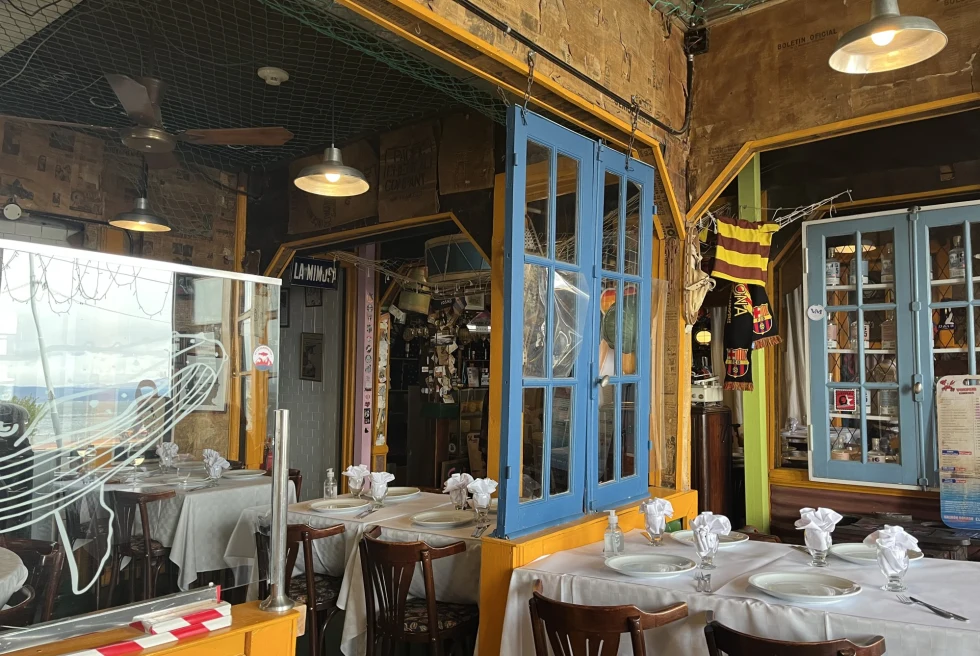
(252, 633)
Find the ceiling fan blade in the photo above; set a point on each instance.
(237, 136)
(161, 160)
(57, 124)
(135, 99)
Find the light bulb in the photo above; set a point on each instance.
(142, 222)
(883, 38)
(332, 177)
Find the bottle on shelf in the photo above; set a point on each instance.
(614, 540)
(888, 264)
(886, 400)
(957, 259)
(832, 268)
(330, 486)
(875, 454)
(889, 338)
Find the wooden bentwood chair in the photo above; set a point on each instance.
(722, 640)
(318, 591)
(44, 562)
(393, 618)
(575, 630)
(20, 609)
(145, 552)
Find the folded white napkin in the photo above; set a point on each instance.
(379, 482)
(894, 545)
(214, 463)
(167, 450)
(356, 474)
(656, 512)
(457, 481)
(481, 489)
(707, 527)
(817, 526)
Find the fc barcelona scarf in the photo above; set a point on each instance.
(750, 325)
(742, 254)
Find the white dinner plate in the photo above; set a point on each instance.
(650, 566)
(339, 505)
(176, 479)
(862, 554)
(443, 518)
(243, 474)
(805, 587)
(402, 493)
(724, 541)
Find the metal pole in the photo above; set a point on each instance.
(279, 601)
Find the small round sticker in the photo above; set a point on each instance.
(263, 358)
(815, 312)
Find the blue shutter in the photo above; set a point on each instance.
(553, 459)
(620, 419)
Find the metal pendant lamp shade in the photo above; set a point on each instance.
(887, 42)
(140, 219)
(331, 178)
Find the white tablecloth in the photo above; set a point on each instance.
(579, 576)
(13, 574)
(457, 578)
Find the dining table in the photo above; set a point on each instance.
(581, 576)
(457, 578)
(13, 574)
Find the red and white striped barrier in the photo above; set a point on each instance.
(169, 627)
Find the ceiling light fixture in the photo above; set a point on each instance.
(887, 42)
(140, 219)
(331, 177)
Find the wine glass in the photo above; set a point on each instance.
(137, 461)
(378, 494)
(893, 563)
(706, 546)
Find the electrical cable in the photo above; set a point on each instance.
(507, 29)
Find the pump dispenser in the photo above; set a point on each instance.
(614, 540)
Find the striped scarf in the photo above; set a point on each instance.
(742, 254)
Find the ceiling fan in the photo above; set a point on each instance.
(141, 99)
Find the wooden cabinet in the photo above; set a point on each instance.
(711, 458)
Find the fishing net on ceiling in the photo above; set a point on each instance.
(701, 10)
(346, 80)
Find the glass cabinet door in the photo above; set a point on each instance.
(863, 424)
(948, 273)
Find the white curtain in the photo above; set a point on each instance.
(733, 399)
(795, 369)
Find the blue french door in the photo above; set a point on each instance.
(620, 421)
(863, 413)
(550, 232)
(947, 275)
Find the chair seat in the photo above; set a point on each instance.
(327, 589)
(138, 548)
(450, 615)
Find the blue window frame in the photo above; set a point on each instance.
(577, 258)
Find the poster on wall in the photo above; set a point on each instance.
(409, 172)
(465, 153)
(311, 357)
(957, 411)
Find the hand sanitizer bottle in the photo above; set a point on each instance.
(614, 541)
(330, 486)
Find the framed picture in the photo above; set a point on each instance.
(311, 357)
(449, 467)
(314, 297)
(283, 308)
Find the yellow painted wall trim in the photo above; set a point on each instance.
(241, 221)
(501, 557)
(908, 114)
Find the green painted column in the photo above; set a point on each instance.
(754, 403)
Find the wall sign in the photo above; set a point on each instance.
(263, 358)
(310, 272)
(845, 400)
(957, 409)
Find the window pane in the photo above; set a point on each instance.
(845, 427)
(608, 308)
(566, 210)
(607, 431)
(633, 195)
(245, 338)
(537, 188)
(531, 441)
(611, 202)
(570, 303)
(535, 319)
(841, 269)
(628, 429)
(562, 404)
(947, 264)
(842, 347)
(949, 342)
(878, 252)
(630, 326)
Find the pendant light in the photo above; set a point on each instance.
(140, 219)
(887, 42)
(330, 177)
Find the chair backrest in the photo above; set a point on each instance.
(575, 630)
(21, 612)
(388, 568)
(306, 535)
(44, 562)
(296, 476)
(127, 503)
(262, 551)
(723, 640)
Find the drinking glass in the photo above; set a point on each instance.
(356, 485)
(137, 461)
(378, 494)
(818, 557)
(458, 497)
(893, 565)
(706, 546)
(655, 529)
(482, 504)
